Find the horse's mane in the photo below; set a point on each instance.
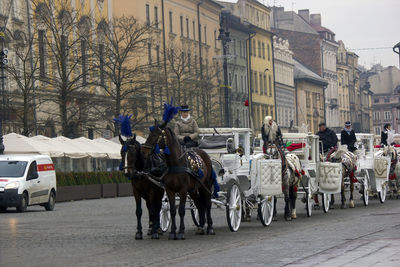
(173, 135)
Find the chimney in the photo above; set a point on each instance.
(305, 14)
(315, 19)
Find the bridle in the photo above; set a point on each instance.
(129, 148)
(162, 136)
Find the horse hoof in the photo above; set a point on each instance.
(351, 204)
(288, 217)
(200, 231)
(172, 236)
(294, 216)
(181, 236)
(210, 231)
(139, 236)
(155, 236)
(343, 206)
(160, 231)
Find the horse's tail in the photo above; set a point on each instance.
(215, 183)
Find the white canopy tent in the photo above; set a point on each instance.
(60, 149)
(19, 144)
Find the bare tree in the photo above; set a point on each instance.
(23, 71)
(123, 71)
(64, 60)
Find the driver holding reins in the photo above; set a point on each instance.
(186, 128)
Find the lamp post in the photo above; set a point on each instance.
(3, 64)
(398, 50)
(224, 37)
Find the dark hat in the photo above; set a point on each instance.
(184, 108)
(347, 123)
(322, 124)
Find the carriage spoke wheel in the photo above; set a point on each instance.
(195, 214)
(326, 198)
(382, 193)
(234, 207)
(308, 197)
(165, 215)
(365, 190)
(266, 211)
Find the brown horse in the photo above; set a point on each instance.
(133, 164)
(181, 180)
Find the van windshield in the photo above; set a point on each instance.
(12, 169)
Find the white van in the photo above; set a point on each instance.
(27, 180)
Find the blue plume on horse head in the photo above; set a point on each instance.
(169, 111)
(125, 122)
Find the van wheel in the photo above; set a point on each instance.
(23, 204)
(52, 201)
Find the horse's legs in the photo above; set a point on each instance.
(151, 219)
(139, 234)
(293, 198)
(210, 229)
(196, 199)
(171, 198)
(156, 206)
(351, 204)
(275, 212)
(285, 189)
(182, 204)
(343, 206)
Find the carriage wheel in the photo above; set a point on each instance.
(266, 211)
(165, 215)
(365, 190)
(234, 207)
(308, 196)
(326, 198)
(382, 193)
(195, 214)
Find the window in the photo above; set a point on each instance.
(189, 63)
(387, 115)
(84, 61)
(259, 49)
(261, 84)
(308, 100)
(42, 54)
(269, 56)
(254, 48)
(265, 84)
(170, 22)
(187, 28)
(215, 39)
(101, 56)
(194, 30)
(255, 82)
(156, 16)
(32, 169)
(149, 52)
(205, 34)
(158, 54)
(181, 21)
(270, 85)
(236, 83)
(147, 15)
(240, 48)
(263, 50)
(377, 130)
(387, 100)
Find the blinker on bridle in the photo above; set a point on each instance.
(156, 147)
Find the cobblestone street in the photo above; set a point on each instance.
(101, 232)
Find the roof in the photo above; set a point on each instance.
(301, 72)
(22, 157)
(319, 28)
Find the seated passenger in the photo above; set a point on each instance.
(186, 128)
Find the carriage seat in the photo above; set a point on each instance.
(210, 142)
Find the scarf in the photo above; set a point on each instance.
(185, 119)
(348, 130)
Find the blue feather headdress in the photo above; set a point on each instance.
(125, 122)
(169, 111)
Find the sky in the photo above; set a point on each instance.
(359, 24)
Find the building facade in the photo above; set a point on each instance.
(260, 58)
(309, 97)
(183, 46)
(237, 70)
(284, 84)
(343, 84)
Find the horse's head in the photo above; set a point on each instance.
(132, 160)
(155, 140)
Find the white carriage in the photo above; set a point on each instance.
(248, 180)
(373, 168)
(317, 179)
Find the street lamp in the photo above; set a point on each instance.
(3, 64)
(224, 37)
(398, 50)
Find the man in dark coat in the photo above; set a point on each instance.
(327, 137)
(348, 137)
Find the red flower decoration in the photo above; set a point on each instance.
(303, 172)
(246, 102)
(296, 172)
